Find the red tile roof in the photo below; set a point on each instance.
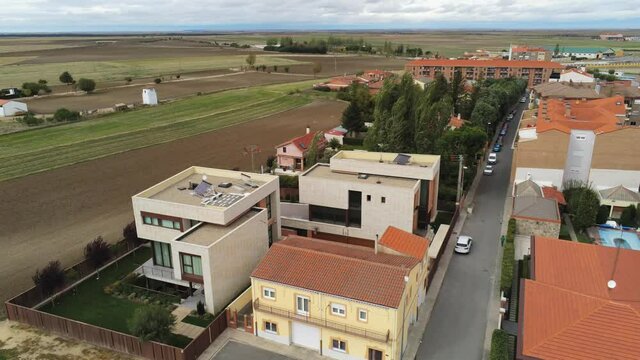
(599, 115)
(550, 192)
(486, 63)
(303, 142)
(456, 123)
(2, 102)
(568, 312)
(349, 271)
(405, 242)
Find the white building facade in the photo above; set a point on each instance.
(12, 108)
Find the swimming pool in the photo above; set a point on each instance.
(624, 239)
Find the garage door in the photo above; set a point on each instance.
(306, 335)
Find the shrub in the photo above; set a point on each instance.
(629, 216)
(200, 308)
(603, 215)
(32, 88)
(64, 114)
(97, 252)
(499, 345)
(152, 323)
(66, 78)
(287, 181)
(508, 257)
(50, 278)
(86, 85)
(353, 141)
(29, 119)
(128, 79)
(271, 162)
(334, 143)
(130, 234)
(157, 80)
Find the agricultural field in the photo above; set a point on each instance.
(42, 149)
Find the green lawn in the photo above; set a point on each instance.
(564, 232)
(15, 75)
(91, 305)
(47, 148)
(198, 321)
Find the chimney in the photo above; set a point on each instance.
(375, 246)
(308, 129)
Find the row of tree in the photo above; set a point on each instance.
(287, 44)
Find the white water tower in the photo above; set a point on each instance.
(149, 96)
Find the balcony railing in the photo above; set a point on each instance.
(347, 329)
(156, 271)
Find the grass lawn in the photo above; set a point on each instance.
(91, 305)
(47, 148)
(584, 238)
(198, 321)
(15, 75)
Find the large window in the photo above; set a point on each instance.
(168, 222)
(161, 254)
(191, 264)
(271, 327)
(302, 305)
(338, 309)
(327, 215)
(339, 345)
(269, 293)
(355, 209)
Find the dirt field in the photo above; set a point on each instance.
(132, 94)
(52, 215)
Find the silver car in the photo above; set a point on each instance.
(488, 170)
(463, 244)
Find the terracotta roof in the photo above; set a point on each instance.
(454, 122)
(350, 271)
(345, 80)
(405, 242)
(600, 115)
(2, 102)
(567, 90)
(551, 192)
(486, 63)
(620, 193)
(568, 312)
(303, 142)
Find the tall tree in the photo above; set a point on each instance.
(86, 85)
(457, 90)
(66, 78)
(251, 60)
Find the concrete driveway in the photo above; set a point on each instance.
(234, 350)
(456, 330)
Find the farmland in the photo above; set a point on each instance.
(42, 149)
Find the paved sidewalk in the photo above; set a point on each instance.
(416, 332)
(182, 328)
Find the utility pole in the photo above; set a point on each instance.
(251, 150)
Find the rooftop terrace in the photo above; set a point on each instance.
(324, 171)
(398, 165)
(206, 234)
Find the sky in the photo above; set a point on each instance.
(185, 15)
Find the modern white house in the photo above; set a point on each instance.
(208, 228)
(356, 196)
(149, 96)
(12, 108)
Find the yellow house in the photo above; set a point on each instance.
(345, 301)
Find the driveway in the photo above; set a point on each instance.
(234, 350)
(456, 330)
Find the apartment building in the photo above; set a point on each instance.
(523, 52)
(585, 140)
(581, 302)
(535, 72)
(328, 297)
(208, 229)
(358, 194)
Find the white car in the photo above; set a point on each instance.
(493, 158)
(488, 170)
(523, 100)
(463, 244)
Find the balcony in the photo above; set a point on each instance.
(347, 329)
(159, 273)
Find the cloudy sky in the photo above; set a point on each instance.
(140, 15)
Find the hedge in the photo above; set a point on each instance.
(508, 257)
(287, 181)
(353, 141)
(499, 345)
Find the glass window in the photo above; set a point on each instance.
(191, 264)
(162, 254)
(269, 293)
(270, 327)
(383, 199)
(268, 201)
(338, 309)
(362, 315)
(368, 197)
(147, 219)
(302, 305)
(176, 225)
(167, 223)
(339, 345)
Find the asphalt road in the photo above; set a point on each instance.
(456, 329)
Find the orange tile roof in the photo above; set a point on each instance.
(550, 192)
(405, 242)
(303, 142)
(2, 102)
(456, 123)
(567, 310)
(599, 115)
(350, 271)
(487, 63)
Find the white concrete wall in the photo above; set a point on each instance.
(293, 210)
(12, 108)
(178, 247)
(233, 258)
(576, 77)
(606, 178)
(385, 169)
(339, 355)
(540, 175)
(273, 337)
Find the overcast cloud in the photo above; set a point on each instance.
(121, 15)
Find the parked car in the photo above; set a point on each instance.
(463, 244)
(503, 132)
(497, 148)
(524, 99)
(488, 170)
(509, 117)
(493, 158)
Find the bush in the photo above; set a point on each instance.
(86, 85)
(97, 252)
(50, 278)
(629, 216)
(442, 217)
(29, 119)
(353, 141)
(508, 257)
(64, 114)
(152, 323)
(66, 78)
(130, 234)
(32, 88)
(287, 181)
(157, 80)
(499, 345)
(603, 215)
(200, 308)
(128, 79)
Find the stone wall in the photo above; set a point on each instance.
(537, 227)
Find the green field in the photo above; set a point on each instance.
(47, 148)
(16, 74)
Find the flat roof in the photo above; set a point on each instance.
(177, 189)
(206, 234)
(414, 160)
(324, 171)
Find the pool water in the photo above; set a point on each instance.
(623, 239)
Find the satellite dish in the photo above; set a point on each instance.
(611, 284)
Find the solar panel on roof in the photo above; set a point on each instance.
(402, 159)
(202, 189)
